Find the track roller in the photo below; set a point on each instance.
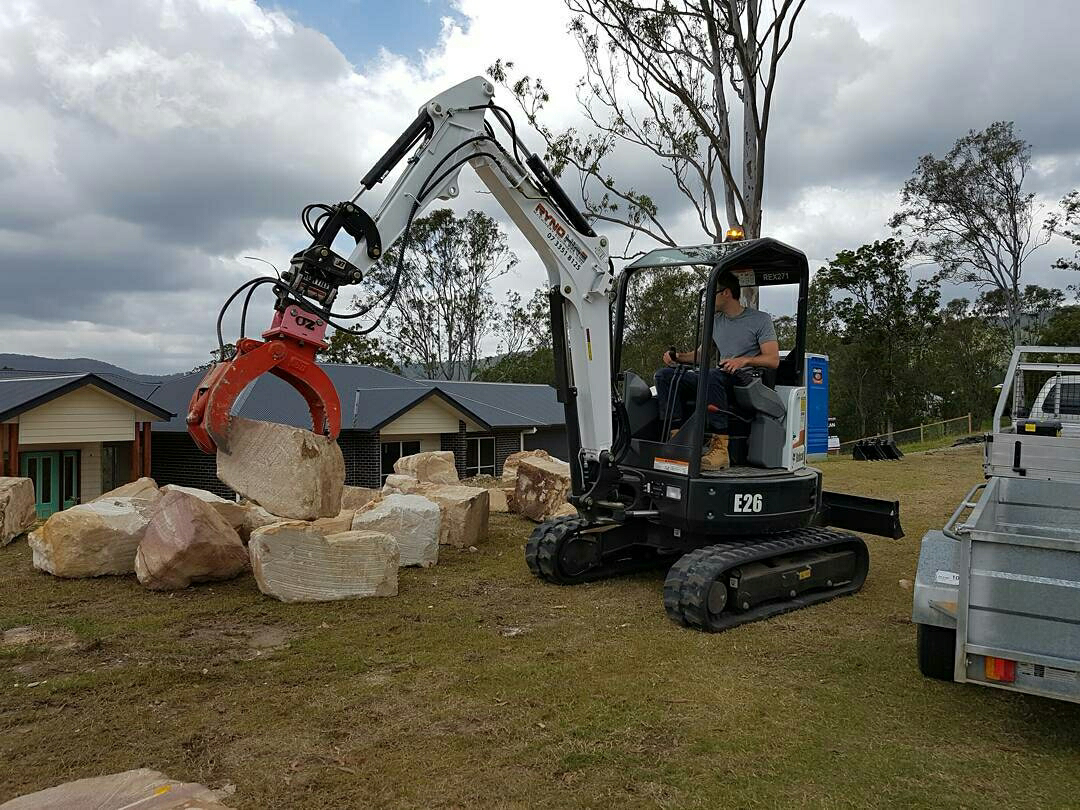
(728, 584)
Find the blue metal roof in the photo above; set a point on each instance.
(22, 391)
(371, 397)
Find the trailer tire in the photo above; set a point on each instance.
(937, 651)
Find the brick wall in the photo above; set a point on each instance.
(455, 443)
(176, 460)
(506, 442)
(363, 458)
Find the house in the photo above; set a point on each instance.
(383, 417)
(75, 435)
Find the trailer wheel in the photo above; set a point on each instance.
(937, 651)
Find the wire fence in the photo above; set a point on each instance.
(930, 433)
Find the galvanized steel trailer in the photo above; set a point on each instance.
(997, 593)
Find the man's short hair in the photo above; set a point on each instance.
(728, 281)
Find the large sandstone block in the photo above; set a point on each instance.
(341, 522)
(435, 467)
(510, 466)
(288, 471)
(92, 539)
(399, 484)
(235, 514)
(142, 788)
(358, 497)
(255, 517)
(464, 513)
(542, 487)
(498, 500)
(187, 541)
(412, 520)
(17, 512)
(143, 488)
(295, 562)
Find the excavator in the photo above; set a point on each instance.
(750, 541)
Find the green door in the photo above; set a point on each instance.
(69, 479)
(44, 470)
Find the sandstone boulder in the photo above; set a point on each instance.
(141, 788)
(255, 517)
(341, 522)
(412, 520)
(400, 484)
(464, 513)
(187, 541)
(509, 492)
(235, 514)
(92, 539)
(17, 512)
(435, 467)
(143, 488)
(288, 471)
(542, 487)
(566, 510)
(510, 466)
(497, 500)
(357, 497)
(295, 562)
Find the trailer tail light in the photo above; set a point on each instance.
(1001, 670)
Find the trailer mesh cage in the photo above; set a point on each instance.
(1044, 397)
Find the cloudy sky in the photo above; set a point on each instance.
(147, 146)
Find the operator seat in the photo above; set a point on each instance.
(767, 413)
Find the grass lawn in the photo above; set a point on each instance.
(479, 685)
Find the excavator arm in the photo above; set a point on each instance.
(452, 130)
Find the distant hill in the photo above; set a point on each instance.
(29, 362)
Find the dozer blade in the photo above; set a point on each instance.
(722, 586)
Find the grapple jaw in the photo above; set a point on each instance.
(287, 351)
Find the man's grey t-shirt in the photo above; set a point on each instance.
(742, 335)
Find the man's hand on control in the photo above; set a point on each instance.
(733, 364)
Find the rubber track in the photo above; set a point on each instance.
(542, 552)
(686, 588)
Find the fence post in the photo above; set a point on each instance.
(969, 422)
(922, 437)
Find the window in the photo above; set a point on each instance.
(480, 457)
(392, 451)
(1070, 400)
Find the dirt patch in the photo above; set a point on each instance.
(241, 641)
(54, 638)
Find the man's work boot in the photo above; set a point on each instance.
(716, 457)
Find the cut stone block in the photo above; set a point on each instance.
(357, 497)
(510, 466)
(508, 492)
(295, 562)
(342, 522)
(255, 517)
(464, 513)
(235, 514)
(566, 510)
(497, 500)
(144, 488)
(412, 520)
(92, 539)
(399, 484)
(435, 467)
(141, 788)
(542, 487)
(288, 471)
(187, 541)
(17, 511)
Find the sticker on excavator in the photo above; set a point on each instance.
(671, 465)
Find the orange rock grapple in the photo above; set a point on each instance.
(304, 295)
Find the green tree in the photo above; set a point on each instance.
(358, 350)
(967, 357)
(1067, 224)
(970, 213)
(216, 356)
(1036, 305)
(664, 80)
(1063, 328)
(443, 309)
(882, 319)
(661, 311)
(525, 348)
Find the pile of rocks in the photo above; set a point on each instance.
(303, 533)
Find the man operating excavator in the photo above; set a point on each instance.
(745, 340)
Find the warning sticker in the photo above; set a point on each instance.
(671, 465)
(947, 578)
